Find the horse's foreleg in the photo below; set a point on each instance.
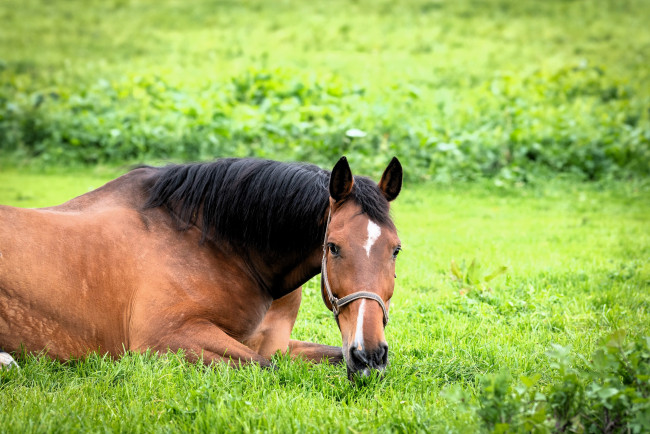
(273, 333)
(316, 352)
(204, 341)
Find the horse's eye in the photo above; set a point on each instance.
(396, 252)
(334, 249)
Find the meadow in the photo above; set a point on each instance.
(522, 299)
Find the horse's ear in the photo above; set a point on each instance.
(391, 181)
(341, 180)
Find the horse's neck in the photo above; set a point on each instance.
(303, 271)
(280, 275)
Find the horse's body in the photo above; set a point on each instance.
(167, 259)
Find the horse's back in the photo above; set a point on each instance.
(127, 191)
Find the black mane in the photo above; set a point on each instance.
(250, 203)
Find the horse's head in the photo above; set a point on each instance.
(360, 249)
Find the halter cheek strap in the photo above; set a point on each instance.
(338, 303)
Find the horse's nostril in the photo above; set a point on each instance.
(358, 356)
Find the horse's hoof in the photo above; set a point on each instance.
(7, 362)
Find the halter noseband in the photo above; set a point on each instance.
(338, 303)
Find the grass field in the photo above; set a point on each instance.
(522, 302)
(577, 271)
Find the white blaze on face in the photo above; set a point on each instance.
(374, 231)
(358, 335)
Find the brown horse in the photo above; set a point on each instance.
(206, 257)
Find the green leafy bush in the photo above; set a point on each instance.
(512, 127)
(610, 393)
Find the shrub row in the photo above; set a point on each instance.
(578, 120)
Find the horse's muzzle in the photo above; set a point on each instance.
(362, 362)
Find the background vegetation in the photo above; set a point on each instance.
(523, 298)
(460, 90)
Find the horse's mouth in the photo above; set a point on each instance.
(365, 372)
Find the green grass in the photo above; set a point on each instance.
(577, 271)
(374, 43)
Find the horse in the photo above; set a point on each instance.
(208, 258)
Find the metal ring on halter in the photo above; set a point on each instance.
(338, 303)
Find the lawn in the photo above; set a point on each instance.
(577, 271)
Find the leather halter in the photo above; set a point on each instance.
(338, 303)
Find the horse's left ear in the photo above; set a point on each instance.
(391, 181)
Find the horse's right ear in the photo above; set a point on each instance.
(341, 180)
